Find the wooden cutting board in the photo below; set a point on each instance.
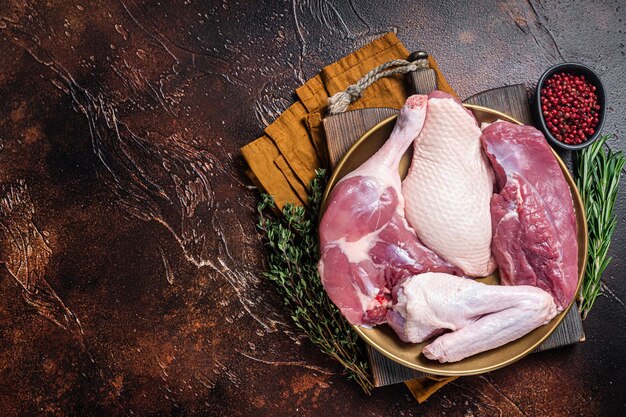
(344, 129)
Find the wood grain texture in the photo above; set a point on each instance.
(342, 130)
(422, 81)
(164, 336)
(511, 100)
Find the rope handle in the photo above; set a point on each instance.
(340, 101)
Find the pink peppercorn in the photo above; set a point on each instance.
(570, 107)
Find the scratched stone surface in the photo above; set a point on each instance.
(129, 264)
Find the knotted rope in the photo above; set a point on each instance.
(339, 102)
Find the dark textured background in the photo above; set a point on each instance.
(129, 263)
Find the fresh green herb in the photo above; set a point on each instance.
(293, 253)
(598, 174)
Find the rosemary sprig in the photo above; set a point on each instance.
(293, 253)
(597, 177)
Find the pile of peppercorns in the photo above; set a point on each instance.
(569, 104)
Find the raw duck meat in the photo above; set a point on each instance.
(449, 186)
(534, 224)
(469, 317)
(367, 247)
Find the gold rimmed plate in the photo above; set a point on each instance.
(383, 338)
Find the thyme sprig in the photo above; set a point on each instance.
(293, 252)
(597, 177)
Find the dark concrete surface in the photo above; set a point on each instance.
(129, 265)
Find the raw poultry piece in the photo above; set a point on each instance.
(534, 224)
(367, 247)
(449, 185)
(477, 317)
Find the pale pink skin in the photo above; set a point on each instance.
(449, 186)
(367, 247)
(534, 223)
(472, 316)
